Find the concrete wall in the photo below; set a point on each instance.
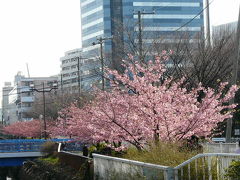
(106, 167)
(220, 147)
(72, 159)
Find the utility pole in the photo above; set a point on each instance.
(79, 79)
(102, 63)
(100, 41)
(234, 78)
(62, 83)
(44, 112)
(140, 35)
(140, 28)
(208, 32)
(44, 103)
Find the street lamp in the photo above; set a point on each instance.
(101, 41)
(43, 90)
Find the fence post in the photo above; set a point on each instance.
(176, 174)
(170, 174)
(209, 168)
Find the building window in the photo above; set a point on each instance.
(66, 68)
(66, 75)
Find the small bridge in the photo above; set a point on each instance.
(14, 152)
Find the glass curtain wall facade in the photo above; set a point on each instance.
(96, 22)
(104, 18)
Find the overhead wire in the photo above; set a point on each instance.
(40, 104)
(185, 24)
(25, 87)
(198, 14)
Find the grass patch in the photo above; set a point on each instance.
(165, 154)
(51, 160)
(172, 155)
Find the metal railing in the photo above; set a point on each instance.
(209, 166)
(205, 166)
(106, 167)
(24, 145)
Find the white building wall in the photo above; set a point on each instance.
(21, 98)
(5, 102)
(69, 77)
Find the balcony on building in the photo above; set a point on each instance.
(27, 99)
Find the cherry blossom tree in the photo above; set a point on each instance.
(24, 129)
(143, 106)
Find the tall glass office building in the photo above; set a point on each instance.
(101, 18)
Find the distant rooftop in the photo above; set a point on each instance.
(228, 27)
(7, 84)
(74, 51)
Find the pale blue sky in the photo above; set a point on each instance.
(40, 31)
(223, 11)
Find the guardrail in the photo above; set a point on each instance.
(31, 140)
(106, 167)
(24, 145)
(205, 166)
(200, 167)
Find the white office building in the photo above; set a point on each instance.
(77, 72)
(5, 102)
(21, 97)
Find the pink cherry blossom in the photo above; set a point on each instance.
(146, 107)
(24, 129)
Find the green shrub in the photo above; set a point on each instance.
(233, 171)
(92, 149)
(100, 148)
(167, 154)
(49, 148)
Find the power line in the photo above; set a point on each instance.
(207, 6)
(37, 104)
(26, 91)
(188, 22)
(23, 87)
(41, 104)
(34, 104)
(31, 91)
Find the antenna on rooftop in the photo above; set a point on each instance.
(28, 70)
